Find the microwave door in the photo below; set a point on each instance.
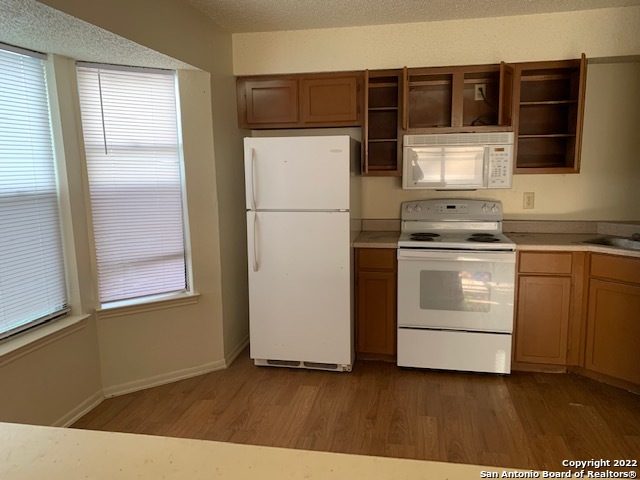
(426, 166)
(464, 166)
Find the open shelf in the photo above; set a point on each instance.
(546, 151)
(550, 103)
(444, 98)
(549, 135)
(382, 121)
(429, 100)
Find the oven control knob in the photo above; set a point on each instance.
(409, 209)
(485, 208)
(418, 208)
(495, 208)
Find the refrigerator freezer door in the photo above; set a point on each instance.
(299, 285)
(297, 173)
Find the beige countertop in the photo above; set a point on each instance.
(377, 239)
(523, 241)
(566, 242)
(32, 452)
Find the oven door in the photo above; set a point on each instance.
(456, 290)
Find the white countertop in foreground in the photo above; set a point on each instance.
(32, 452)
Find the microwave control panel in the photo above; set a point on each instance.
(500, 165)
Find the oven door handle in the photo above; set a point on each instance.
(467, 256)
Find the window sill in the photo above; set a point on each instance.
(149, 306)
(15, 347)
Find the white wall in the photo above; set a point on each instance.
(598, 33)
(605, 188)
(53, 380)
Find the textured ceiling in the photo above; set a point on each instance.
(238, 16)
(32, 25)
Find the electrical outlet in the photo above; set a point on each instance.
(528, 200)
(480, 89)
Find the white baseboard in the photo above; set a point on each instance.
(163, 379)
(236, 351)
(85, 407)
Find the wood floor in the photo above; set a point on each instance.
(525, 420)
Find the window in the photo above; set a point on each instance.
(32, 281)
(130, 127)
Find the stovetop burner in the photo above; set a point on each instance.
(424, 236)
(483, 238)
(487, 238)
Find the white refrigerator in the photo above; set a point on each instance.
(300, 228)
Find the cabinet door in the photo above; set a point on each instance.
(332, 100)
(376, 313)
(506, 94)
(376, 303)
(613, 330)
(542, 319)
(267, 102)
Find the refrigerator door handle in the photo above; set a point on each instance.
(256, 265)
(252, 199)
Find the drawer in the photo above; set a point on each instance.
(545, 262)
(376, 258)
(622, 269)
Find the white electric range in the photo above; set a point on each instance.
(456, 277)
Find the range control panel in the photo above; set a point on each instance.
(451, 209)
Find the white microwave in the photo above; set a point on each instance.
(457, 161)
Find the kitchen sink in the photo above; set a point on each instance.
(626, 243)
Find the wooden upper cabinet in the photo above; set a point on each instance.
(474, 98)
(300, 101)
(269, 101)
(330, 100)
(548, 114)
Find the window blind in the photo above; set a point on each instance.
(129, 121)
(32, 281)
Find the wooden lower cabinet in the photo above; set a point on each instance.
(543, 319)
(376, 280)
(549, 329)
(613, 318)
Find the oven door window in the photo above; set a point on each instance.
(462, 291)
(466, 291)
